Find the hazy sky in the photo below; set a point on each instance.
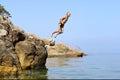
(94, 25)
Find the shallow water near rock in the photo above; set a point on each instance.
(93, 66)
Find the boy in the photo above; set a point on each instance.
(61, 24)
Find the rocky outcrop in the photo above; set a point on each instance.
(61, 49)
(49, 42)
(18, 50)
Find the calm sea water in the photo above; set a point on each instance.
(93, 66)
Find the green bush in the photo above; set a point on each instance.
(3, 11)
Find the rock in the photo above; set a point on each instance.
(2, 46)
(16, 28)
(6, 60)
(30, 55)
(61, 49)
(25, 51)
(3, 32)
(19, 51)
(17, 36)
(49, 42)
(6, 70)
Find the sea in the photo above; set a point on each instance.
(92, 66)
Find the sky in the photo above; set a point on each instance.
(93, 27)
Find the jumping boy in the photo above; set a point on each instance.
(61, 24)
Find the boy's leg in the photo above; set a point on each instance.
(59, 32)
(54, 33)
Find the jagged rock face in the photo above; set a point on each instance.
(5, 58)
(19, 50)
(31, 56)
(8, 63)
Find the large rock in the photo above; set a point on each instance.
(18, 50)
(30, 55)
(49, 42)
(8, 64)
(61, 49)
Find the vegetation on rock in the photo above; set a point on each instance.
(3, 11)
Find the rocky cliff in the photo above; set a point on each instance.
(18, 50)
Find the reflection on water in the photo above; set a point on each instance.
(34, 74)
(29, 74)
(56, 62)
(64, 68)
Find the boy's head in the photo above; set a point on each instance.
(68, 14)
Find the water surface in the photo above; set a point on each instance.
(95, 66)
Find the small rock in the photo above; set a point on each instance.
(3, 32)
